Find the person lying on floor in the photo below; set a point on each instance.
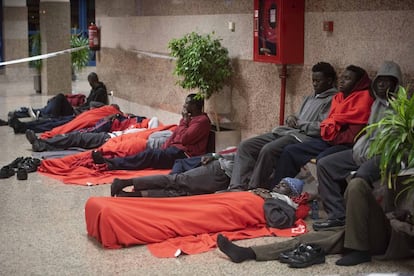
(189, 139)
(118, 222)
(85, 139)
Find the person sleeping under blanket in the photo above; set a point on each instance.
(191, 223)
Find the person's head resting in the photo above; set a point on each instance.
(387, 80)
(93, 79)
(289, 186)
(194, 104)
(323, 77)
(354, 78)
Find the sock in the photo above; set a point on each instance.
(118, 184)
(236, 253)
(129, 194)
(354, 257)
(97, 157)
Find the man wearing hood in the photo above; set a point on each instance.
(367, 230)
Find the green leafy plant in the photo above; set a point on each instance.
(394, 140)
(202, 62)
(35, 50)
(79, 58)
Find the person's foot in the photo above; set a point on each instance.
(329, 223)
(18, 127)
(355, 257)
(97, 157)
(39, 146)
(118, 184)
(236, 253)
(31, 136)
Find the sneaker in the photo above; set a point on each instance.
(32, 113)
(6, 172)
(311, 254)
(31, 136)
(21, 174)
(285, 256)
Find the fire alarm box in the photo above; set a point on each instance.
(279, 31)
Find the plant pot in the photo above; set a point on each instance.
(37, 83)
(226, 137)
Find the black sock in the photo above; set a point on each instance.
(97, 157)
(236, 253)
(354, 257)
(129, 194)
(118, 184)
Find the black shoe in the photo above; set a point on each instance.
(21, 174)
(39, 146)
(311, 254)
(31, 136)
(30, 164)
(329, 223)
(18, 127)
(285, 256)
(3, 123)
(15, 163)
(6, 172)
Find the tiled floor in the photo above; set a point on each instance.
(42, 227)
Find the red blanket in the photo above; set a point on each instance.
(80, 168)
(85, 119)
(189, 223)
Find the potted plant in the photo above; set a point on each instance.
(394, 142)
(202, 63)
(79, 58)
(35, 50)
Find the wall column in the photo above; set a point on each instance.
(15, 38)
(55, 34)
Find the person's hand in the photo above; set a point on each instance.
(206, 159)
(186, 115)
(292, 121)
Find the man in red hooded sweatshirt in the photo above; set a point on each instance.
(349, 113)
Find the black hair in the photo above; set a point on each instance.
(93, 76)
(327, 70)
(196, 100)
(357, 70)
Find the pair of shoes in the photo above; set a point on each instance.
(31, 136)
(29, 164)
(329, 223)
(6, 172)
(285, 256)
(21, 174)
(306, 255)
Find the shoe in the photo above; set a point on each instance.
(15, 163)
(329, 223)
(21, 174)
(31, 136)
(39, 146)
(118, 184)
(3, 123)
(311, 254)
(18, 127)
(285, 256)
(32, 113)
(30, 164)
(6, 172)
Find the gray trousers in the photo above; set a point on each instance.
(333, 171)
(86, 140)
(256, 158)
(205, 179)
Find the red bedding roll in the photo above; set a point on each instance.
(188, 223)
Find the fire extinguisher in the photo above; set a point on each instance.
(93, 33)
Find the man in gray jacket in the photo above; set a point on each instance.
(256, 157)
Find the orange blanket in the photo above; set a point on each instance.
(80, 168)
(189, 223)
(85, 119)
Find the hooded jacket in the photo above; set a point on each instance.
(378, 108)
